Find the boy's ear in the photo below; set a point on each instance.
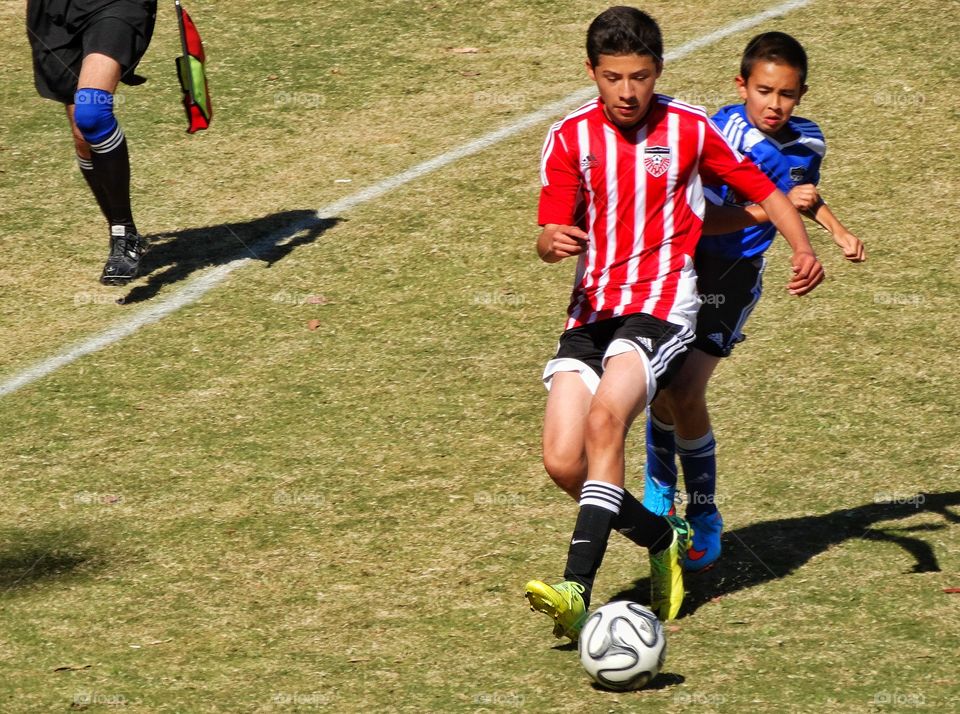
(803, 90)
(590, 70)
(741, 86)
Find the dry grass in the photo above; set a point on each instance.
(229, 512)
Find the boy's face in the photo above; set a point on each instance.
(771, 93)
(626, 84)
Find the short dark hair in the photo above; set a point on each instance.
(776, 47)
(624, 30)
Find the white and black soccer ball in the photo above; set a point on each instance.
(622, 646)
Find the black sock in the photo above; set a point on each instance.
(111, 168)
(89, 175)
(599, 504)
(641, 526)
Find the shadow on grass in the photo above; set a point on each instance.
(664, 680)
(770, 550)
(174, 256)
(28, 557)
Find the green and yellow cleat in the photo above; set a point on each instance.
(666, 571)
(563, 602)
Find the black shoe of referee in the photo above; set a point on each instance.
(126, 248)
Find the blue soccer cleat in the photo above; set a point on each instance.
(705, 548)
(657, 498)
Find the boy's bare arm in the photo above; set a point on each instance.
(807, 200)
(851, 246)
(557, 242)
(807, 270)
(718, 220)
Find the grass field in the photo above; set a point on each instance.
(228, 511)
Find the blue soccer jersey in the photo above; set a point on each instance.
(788, 164)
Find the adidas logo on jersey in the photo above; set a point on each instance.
(716, 337)
(646, 342)
(588, 162)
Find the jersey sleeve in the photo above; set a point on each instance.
(813, 171)
(721, 164)
(560, 179)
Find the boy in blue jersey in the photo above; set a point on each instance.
(729, 263)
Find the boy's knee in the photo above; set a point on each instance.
(93, 115)
(683, 398)
(567, 470)
(604, 427)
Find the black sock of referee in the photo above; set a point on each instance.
(89, 175)
(641, 525)
(599, 505)
(111, 166)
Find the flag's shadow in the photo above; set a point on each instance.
(175, 256)
(770, 550)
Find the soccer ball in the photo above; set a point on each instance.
(622, 646)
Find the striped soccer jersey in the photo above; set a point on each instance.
(638, 195)
(787, 164)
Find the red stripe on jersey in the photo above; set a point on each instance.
(642, 206)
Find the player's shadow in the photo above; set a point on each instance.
(174, 256)
(31, 557)
(770, 550)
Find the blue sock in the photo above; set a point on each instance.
(661, 452)
(699, 460)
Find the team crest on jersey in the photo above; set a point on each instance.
(656, 160)
(797, 173)
(588, 162)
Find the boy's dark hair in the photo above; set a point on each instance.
(776, 47)
(624, 30)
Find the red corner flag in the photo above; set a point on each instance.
(193, 80)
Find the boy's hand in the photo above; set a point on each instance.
(807, 273)
(559, 242)
(851, 246)
(804, 197)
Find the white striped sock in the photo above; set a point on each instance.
(602, 495)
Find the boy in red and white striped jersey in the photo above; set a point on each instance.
(623, 192)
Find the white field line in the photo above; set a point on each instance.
(200, 286)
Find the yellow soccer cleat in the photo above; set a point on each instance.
(563, 602)
(666, 571)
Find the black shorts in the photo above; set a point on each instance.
(63, 32)
(729, 290)
(662, 345)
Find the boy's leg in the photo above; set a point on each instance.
(660, 471)
(564, 423)
(621, 397)
(564, 450)
(577, 424)
(680, 423)
(696, 447)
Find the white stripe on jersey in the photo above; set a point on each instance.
(738, 136)
(695, 187)
(639, 221)
(730, 128)
(677, 104)
(554, 130)
(613, 191)
(817, 146)
(547, 150)
(583, 139)
(666, 247)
